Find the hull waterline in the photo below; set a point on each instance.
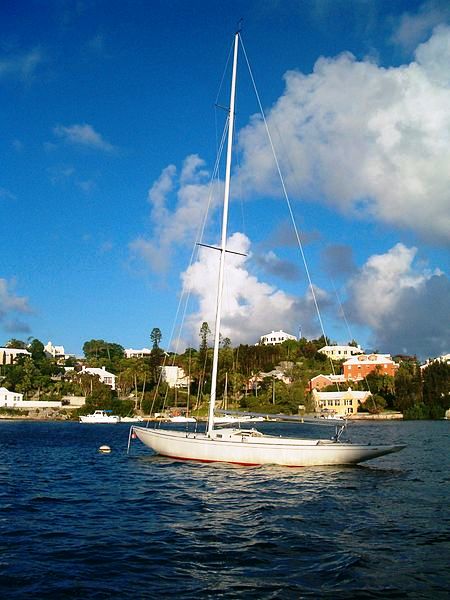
(243, 448)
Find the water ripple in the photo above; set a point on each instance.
(78, 524)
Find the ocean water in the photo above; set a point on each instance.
(75, 523)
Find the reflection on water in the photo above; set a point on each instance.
(78, 524)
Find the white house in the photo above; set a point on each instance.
(174, 376)
(340, 352)
(444, 358)
(132, 353)
(57, 352)
(15, 400)
(105, 376)
(8, 398)
(8, 355)
(275, 337)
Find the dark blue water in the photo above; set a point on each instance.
(79, 524)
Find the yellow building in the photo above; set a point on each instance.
(339, 404)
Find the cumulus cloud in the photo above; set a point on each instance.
(16, 326)
(406, 307)
(283, 236)
(83, 135)
(371, 141)
(270, 263)
(414, 27)
(22, 66)
(338, 260)
(178, 203)
(249, 306)
(10, 304)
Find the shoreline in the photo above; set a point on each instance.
(66, 418)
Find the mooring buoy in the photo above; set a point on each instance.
(104, 449)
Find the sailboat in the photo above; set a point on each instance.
(248, 446)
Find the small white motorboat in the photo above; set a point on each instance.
(100, 416)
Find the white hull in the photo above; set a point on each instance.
(181, 419)
(249, 447)
(132, 419)
(232, 419)
(99, 416)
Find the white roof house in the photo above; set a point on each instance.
(275, 337)
(174, 376)
(55, 351)
(8, 398)
(340, 352)
(105, 376)
(132, 353)
(8, 355)
(15, 400)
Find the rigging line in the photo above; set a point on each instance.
(216, 103)
(344, 316)
(183, 294)
(348, 327)
(294, 224)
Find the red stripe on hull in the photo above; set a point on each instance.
(226, 462)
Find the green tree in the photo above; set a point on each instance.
(436, 388)
(36, 348)
(408, 386)
(28, 376)
(204, 334)
(375, 404)
(226, 343)
(155, 337)
(106, 352)
(14, 343)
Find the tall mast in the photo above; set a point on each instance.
(226, 198)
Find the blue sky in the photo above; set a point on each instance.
(109, 137)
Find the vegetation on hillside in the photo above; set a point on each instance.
(418, 394)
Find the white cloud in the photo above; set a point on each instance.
(413, 28)
(22, 66)
(83, 135)
(377, 287)
(274, 265)
(178, 205)
(250, 307)
(371, 141)
(10, 302)
(406, 307)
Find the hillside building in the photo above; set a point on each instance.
(339, 404)
(142, 353)
(174, 376)
(275, 337)
(358, 367)
(340, 352)
(105, 376)
(322, 381)
(8, 356)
